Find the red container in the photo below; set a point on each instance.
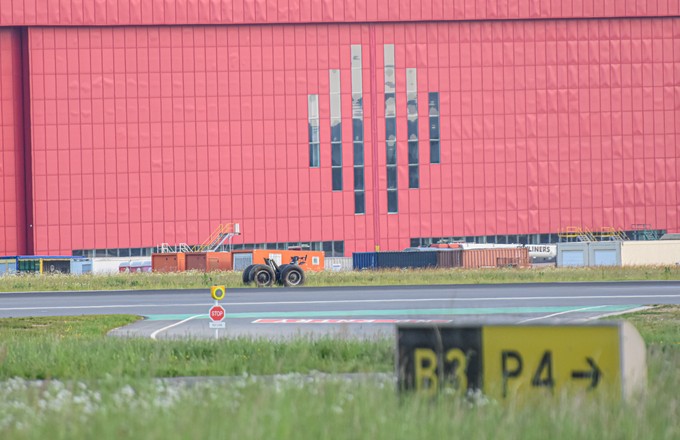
(171, 262)
(502, 257)
(209, 261)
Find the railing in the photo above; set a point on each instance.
(578, 233)
(644, 231)
(223, 233)
(606, 233)
(612, 234)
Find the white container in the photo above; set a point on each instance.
(650, 253)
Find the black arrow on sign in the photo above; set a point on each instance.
(594, 374)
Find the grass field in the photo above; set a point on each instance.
(111, 396)
(197, 280)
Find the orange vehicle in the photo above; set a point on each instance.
(307, 260)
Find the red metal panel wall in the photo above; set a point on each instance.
(147, 135)
(12, 198)
(156, 134)
(544, 124)
(123, 12)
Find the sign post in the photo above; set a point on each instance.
(511, 361)
(217, 313)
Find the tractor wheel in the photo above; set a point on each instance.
(262, 275)
(246, 274)
(292, 276)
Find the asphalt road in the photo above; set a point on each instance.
(363, 312)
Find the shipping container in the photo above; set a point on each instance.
(496, 257)
(393, 260)
(308, 260)
(209, 261)
(79, 267)
(604, 253)
(657, 253)
(572, 254)
(338, 264)
(168, 262)
(364, 260)
(450, 259)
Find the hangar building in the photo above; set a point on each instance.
(345, 125)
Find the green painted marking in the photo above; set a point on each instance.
(406, 312)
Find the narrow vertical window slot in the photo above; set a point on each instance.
(435, 140)
(391, 130)
(412, 128)
(313, 125)
(336, 130)
(358, 131)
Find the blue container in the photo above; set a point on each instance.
(364, 260)
(403, 260)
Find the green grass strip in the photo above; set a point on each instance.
(197, 280)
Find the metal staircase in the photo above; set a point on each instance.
(223, 233)
(612, 234)
(576, 233)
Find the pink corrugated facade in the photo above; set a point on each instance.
(149, 134)
(164, 12)
(12, 196)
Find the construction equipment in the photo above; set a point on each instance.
(265, 275)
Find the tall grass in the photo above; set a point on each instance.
(111, 394)
(199, 280)
(293, 407)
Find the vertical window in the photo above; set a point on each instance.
(358, 131)
(412, 127)
(336, 130)
(313, 124)
(435, 143)
(391, 130)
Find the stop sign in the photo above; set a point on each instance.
(217, 313)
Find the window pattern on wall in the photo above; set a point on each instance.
(358, 131)
(435, 145)
(313, 112)
(336, 130)
(391, 130)
(412, 127)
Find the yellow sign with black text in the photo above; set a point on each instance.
(550, 359)
(509, 361)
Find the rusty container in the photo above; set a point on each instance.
(170, 262)
(208, 261)
(495, 257)
(450, 259)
